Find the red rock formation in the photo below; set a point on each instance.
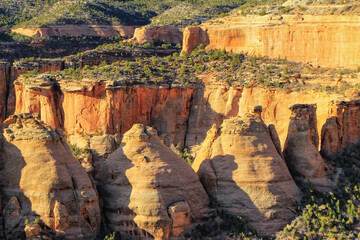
(4, 78)
(77, 31)
(152, 35)
(97, 107)
(41, 179)
(23, 67)
(148, 190)
(244, 175)
(320, 40)
(342, 128)
(301, 148)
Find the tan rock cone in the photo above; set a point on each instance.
(244, 174)
(42, 178)
(148, 190)
(301, 147)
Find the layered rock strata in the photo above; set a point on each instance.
(152, 35)
(77, 31)
(342, 128)
(148, 190)
(301, 148)
(329, 41)
(244, 175)
(103, 107)
(41, 179)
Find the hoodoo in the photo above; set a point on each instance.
(301, 147)
(244, 174)
(148, 190)
(41, 179)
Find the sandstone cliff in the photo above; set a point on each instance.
(320, 40)
(77, 31)
(244, 174)
(41, 179)
(342, 128)
(148, 190)
(87, 107)
(170, 35)
(301, 148)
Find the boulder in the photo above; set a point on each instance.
(148, 190)
(244, 175)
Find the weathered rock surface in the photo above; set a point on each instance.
(41, 178)
(148, 34)
(301, 148)
(77, 31)
(329, 41)
(91, 107)
(23, 67)
(148, 190)
(342, 128)
(244, 175)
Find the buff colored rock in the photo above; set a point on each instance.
(172, 35)
(77, 31)
(301, 148)
(329, 41)
(148, 190)
(42, 178)
(244, 175)
(342, 128)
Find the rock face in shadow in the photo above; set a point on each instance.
(301, 147)
(170, 35)
(148, 190)
(41, 179)
(4, 76)
(342, 128)
(244, 175)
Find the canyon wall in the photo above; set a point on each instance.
(328, 41)
(180, 114)
(76, 31)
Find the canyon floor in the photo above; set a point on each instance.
(234, 120)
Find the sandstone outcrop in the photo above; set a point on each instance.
(342, 128)
(148, 190)
(41, 179)
(148, 34)
(301, 148)
(244, 175)
(77, 31)
(97, 106)
(329, 41)
(23, 67)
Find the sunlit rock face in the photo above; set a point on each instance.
(244, 175)
(148, 190)
(329, 41)
(301, 148)
(342, 128)
(41, 179)
(154, 34)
